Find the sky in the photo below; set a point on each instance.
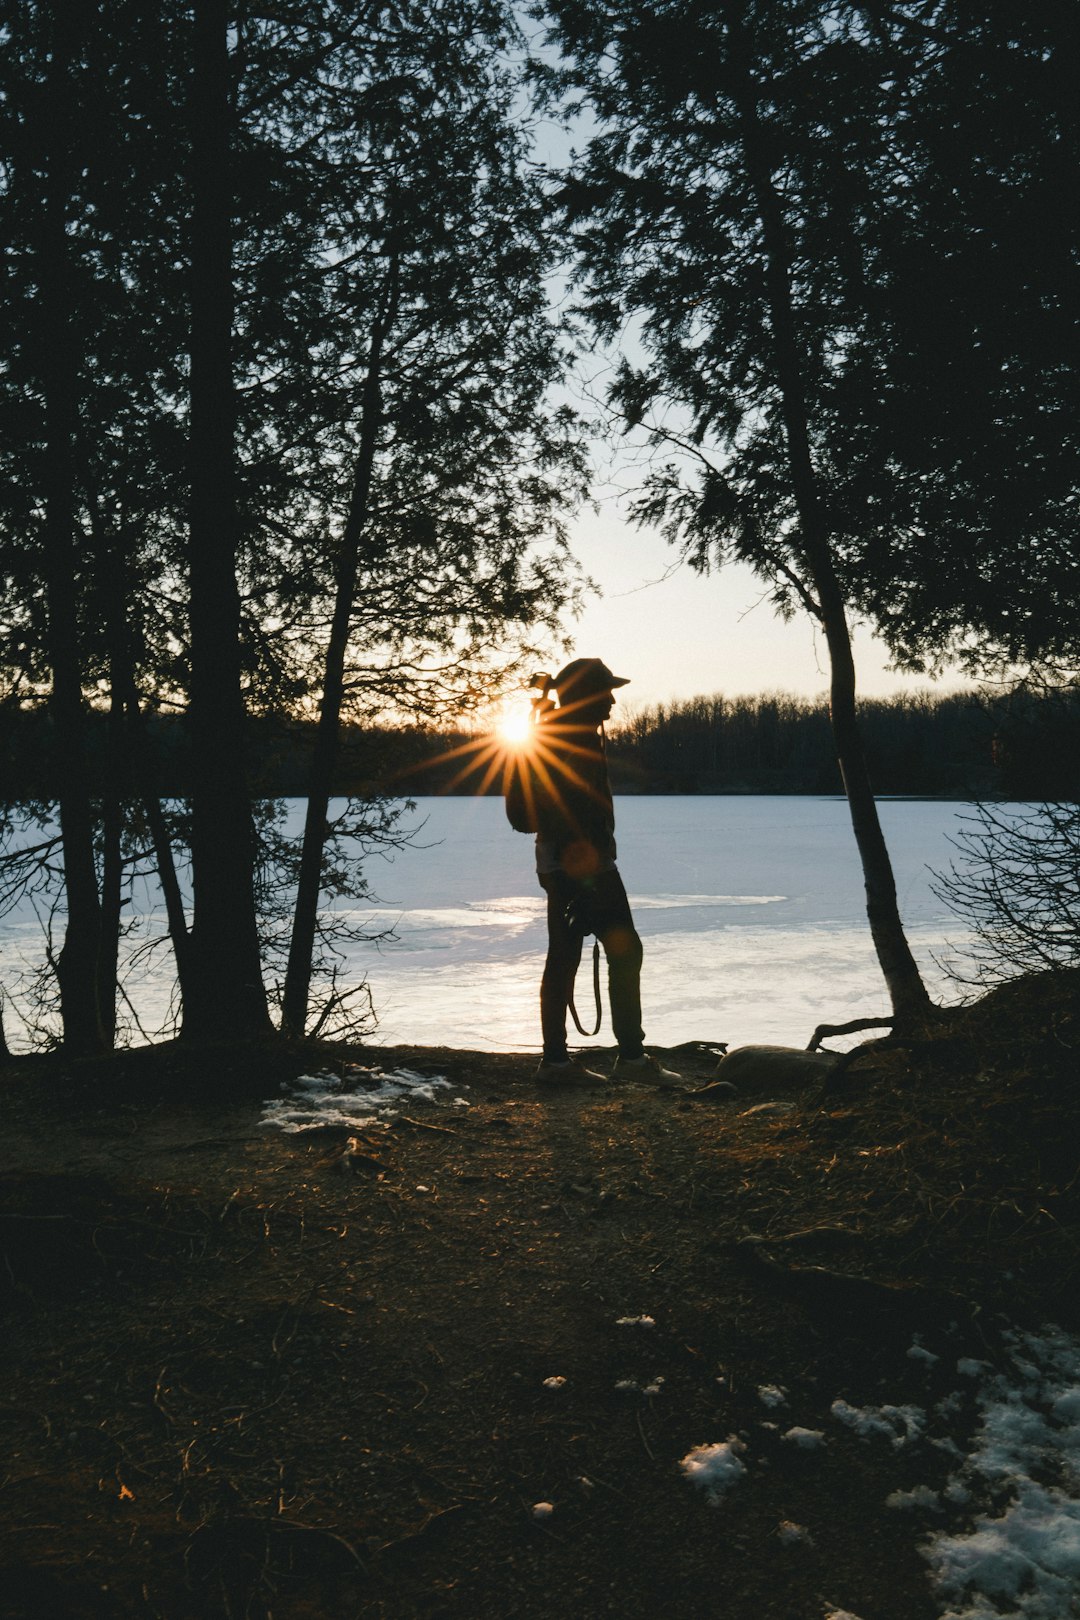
(675, 633)
(678, 634)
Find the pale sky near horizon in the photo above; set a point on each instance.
(678, 634)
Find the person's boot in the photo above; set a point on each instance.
(569, 1072)
(645, 1071)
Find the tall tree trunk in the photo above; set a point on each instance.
(132, 764)
(226, 995)
(297, 990)
(907, 992)
(112, 594)
(76, 967)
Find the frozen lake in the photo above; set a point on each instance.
(751, 911)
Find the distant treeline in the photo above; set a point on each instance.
(960, 745)
(922, 743)
(1022, 745)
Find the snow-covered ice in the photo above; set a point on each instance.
(760, 895)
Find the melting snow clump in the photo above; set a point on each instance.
(543, 1510)
(361, 1097)
(920, 1496)
(918, 1352)
(635, 1321)
(557, 1382)
(772, 1395)
(715, 1468)
(805, 1439)
(900, 1424)
(793, 1535)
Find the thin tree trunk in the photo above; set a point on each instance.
(175, 915)
(907, 992)
(76, 966)
(112, 594)
(226, 996)
(297, 990)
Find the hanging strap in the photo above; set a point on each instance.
(596, 992)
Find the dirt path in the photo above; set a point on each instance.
(250, 1376)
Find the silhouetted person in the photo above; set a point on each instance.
(575, 862)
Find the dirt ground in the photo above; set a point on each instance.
(271, 1376)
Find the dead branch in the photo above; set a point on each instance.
(824, 1031)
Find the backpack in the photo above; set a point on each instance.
(518, 801)
(519, 793)
(521, 782)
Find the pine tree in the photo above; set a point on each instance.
(953, 438)
(718, 212)
(254, 528)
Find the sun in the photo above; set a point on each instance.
(513, 724)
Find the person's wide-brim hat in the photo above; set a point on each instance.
(584, 677)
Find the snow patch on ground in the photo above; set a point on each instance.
(715, 1468)
(900, 1424)
(359, 1097)
(1020, 1561)
(920, 1496)
(805, 1439)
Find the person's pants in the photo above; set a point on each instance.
(601, 903)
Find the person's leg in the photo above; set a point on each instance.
(564, 954)
(614, 927)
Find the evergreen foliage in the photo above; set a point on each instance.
(249, 208)
(717, 215)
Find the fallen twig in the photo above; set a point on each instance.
(422, 1125)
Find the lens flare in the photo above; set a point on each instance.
(514, 724)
